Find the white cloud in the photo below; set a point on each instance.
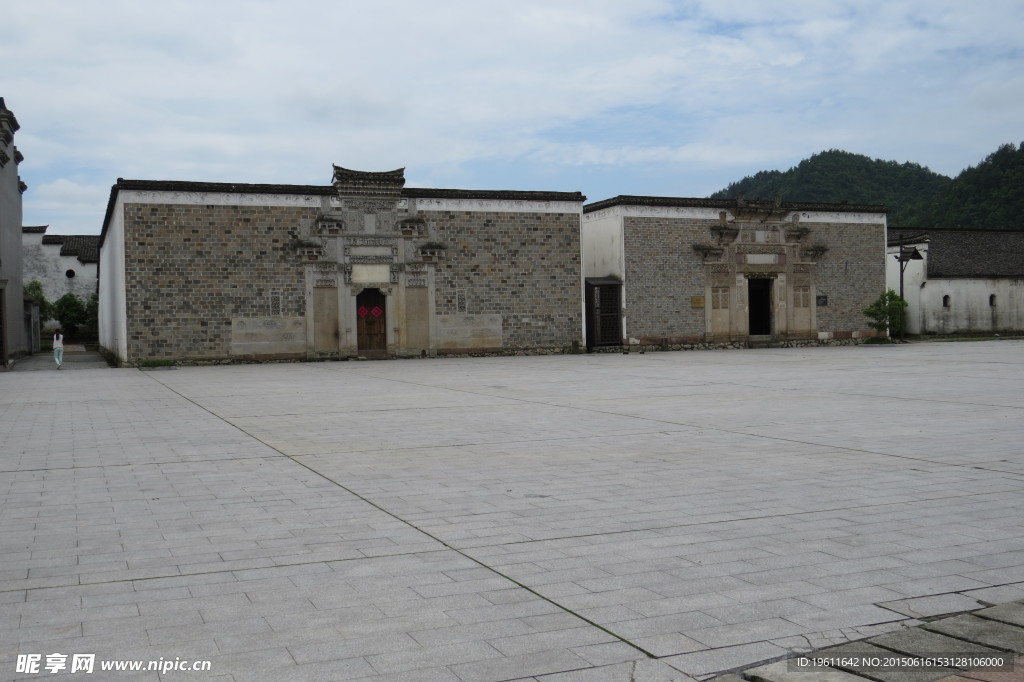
(61, 205)
(475, 92)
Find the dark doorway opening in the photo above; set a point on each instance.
(759, 296)
(604, 312)
(371, 323)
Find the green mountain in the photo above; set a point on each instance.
(909, 190)
(989, 195)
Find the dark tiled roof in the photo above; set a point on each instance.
(34, 229)
(8, 115)
(408, 192)
(515, 195)
(85, 246)
(725, 204)
(969, 253)
(236, 187)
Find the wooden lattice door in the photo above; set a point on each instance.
(371, 331)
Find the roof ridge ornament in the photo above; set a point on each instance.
(376, 184)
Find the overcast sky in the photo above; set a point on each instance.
(606, 97)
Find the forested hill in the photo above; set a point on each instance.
(989, 195)
(836, 176)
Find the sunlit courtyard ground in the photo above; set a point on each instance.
(591, 517)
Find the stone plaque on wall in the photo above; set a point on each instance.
(365, 273)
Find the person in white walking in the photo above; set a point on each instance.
(58, 348)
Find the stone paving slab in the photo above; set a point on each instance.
(509, 518)
(76, 357)
(965, 635)
(861, 650)
(1013, 675)
(922, 643)
(1012, 613)
(781, 672)
(987, 632)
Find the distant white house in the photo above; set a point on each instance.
(62, 263)
(967, 281)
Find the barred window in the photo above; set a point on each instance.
(719, 298)
(275, 303)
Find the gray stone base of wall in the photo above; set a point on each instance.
(722, 345)
(571, 349)
(109, 356)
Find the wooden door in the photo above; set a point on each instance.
(371, 323)
(604, 312)
(325, 320)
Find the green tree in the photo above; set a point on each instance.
(35, 290)
(92, 316)
(887, 313)
(70, 311)
(987, 195)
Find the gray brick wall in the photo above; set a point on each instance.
(851, 273)
(662, 273)
(523, 266)
(191, 268)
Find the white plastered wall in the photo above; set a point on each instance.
(602, 244)
(113, 321)
(44, 263)
(601, 238)
(971, 307)
(913, 277)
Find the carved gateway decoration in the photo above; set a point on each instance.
(759, 244)
(369, 228)
(370, 241)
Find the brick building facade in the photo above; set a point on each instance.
(362, 267)
(697, 271)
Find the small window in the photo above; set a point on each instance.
(69, 274)
(719, 298)
(802, 297)
(945, 301)
(992, 300)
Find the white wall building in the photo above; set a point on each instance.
(968, 281)
(62, 263)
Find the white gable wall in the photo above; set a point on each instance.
(113, 320)
(44, 263)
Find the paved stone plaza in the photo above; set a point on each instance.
(664, 516)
